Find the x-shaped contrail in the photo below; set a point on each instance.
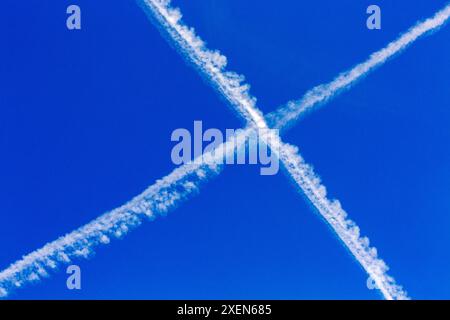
(183, 181)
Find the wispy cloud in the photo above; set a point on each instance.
(195, 50)
(167, 193)
(210, 63)
(347, 230)
(317, 96)
(158, 199)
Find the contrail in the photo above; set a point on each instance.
(183, 182)
(164, 195)
(347, 230)
(322, 93)
(156, 200)
(195, 50)
(211, 64)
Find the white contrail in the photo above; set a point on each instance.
(347, 231)
(322, 93)
(184, 181)
(196, 52)
(211, 64)
(156, 200)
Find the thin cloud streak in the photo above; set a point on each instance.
(184, 181)
(157, 200)
(287, 115)
(195, 50)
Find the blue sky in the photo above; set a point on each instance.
(85, 124)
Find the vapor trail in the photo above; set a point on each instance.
(156, 200)
(347, 230)
(317, 96)
(184, 181)
(211, 64)
(194, 49)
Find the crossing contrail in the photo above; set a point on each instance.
(185, 181)
(195, 50)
